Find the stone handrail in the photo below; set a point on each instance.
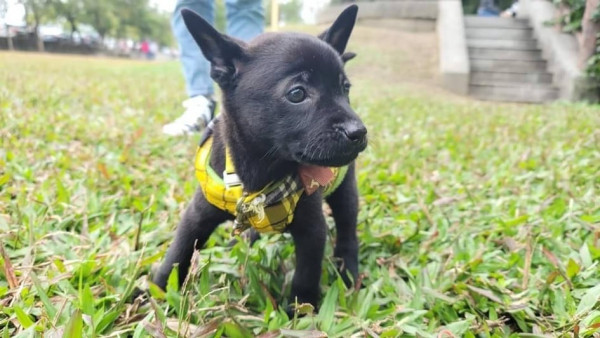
(561, 50)
(454, 57)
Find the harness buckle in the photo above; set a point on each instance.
(231, 179)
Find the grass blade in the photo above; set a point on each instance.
(74, 328)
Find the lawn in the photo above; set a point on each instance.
(476, 219)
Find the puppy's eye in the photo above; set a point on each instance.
(347, 86)
(296, 95)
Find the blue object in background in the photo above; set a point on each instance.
(245, 20)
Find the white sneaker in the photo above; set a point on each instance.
(199, 110)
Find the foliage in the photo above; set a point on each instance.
(572, 18)
(571, 22)
(38, 11)
(138, 20)
(71, 10)
(476, 219)
(102, 15)
(134, 19)
(593, 66)
(289, 11)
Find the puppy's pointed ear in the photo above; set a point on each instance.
(347, 56)
(219, 49)
(338, 34)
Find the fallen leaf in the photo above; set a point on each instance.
(9, 272)
(486, 293)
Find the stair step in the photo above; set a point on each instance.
(514, 93)
(505, 54)
(506, 61)
(478, 21)
(502, 77)
(507, 83)
(530, 44)
(510, 66)
(500, 33)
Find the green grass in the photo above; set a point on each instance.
(476, 219)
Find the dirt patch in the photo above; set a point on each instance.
(394, 57)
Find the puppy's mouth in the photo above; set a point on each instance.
(332, 156)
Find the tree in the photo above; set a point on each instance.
(289, 11)
(590, 27)
(134, 19)
(102, 15)
(157, 27)
(38, 11)
(71, 10)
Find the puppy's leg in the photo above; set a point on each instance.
(199, 220)
(251, 236)
(344, 207)
(309, 233)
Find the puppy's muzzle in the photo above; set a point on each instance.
(353, 131)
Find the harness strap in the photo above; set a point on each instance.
(230, 178)
(270, 209)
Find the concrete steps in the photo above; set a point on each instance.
(503, 77)
(506, 63)
(533, 93)
(495, 22)
(505, 54)
(503, 44)
(504, 33)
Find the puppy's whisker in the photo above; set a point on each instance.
(314, 148)
(307, 148)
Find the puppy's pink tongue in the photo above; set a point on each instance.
(313, 177)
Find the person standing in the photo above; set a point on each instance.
(512, 11)
(245, 20)
(487, 8)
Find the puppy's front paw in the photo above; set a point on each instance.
(348, 269)
(300, 310)
(138, 295)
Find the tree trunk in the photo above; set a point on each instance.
(40, 43)
(9, 38)
(73, 25)
(37, 20)
(38, 38)
(590, 30)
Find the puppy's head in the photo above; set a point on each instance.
(287, 93)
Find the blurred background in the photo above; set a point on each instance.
(142, 29)
(113, 27)
(476, 218)
(126, 27)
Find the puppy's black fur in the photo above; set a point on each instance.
(271, 132)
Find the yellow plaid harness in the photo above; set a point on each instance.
(270, 209)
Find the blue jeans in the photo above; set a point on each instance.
(487, 12)
(245, 20)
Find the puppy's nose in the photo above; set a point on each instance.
(355, 131)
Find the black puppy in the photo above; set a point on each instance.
(285, 107)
